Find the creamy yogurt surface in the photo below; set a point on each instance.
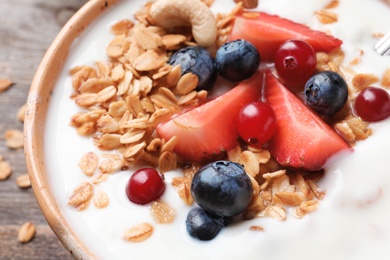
(352, 222)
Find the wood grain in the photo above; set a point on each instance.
(27, 27)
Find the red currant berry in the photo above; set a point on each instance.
(295, 61)
(256, 123)
(373, 104)
(145, 185)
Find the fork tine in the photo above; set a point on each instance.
(383, 46)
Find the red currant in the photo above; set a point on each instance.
(295, 61)
(145, 185)
(256, 123)
(373, 104)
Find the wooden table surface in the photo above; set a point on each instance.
(27, 28)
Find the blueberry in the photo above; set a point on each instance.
(222, 188)
(326, 93)
(237, 60)
(202, 225)
(198, 61)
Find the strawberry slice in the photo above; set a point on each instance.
(210, 129)
(267, 32)
(302, 139)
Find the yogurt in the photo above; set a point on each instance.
(352, 221)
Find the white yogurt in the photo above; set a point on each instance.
(353, 221)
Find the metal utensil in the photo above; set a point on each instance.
(383, 46)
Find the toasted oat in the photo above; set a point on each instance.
(148, 61)
(22, 112)
(103, 69)
(86, 99)
(189, 98)
(248, 4)
(5, 84)
(208, 2)
(101, 178)
(160, 114)
(275, 174)
(122, 27)
(23, 181)
(276, 212)
(326, 17)
(111, 163)
(362, 81)
(95, 85)
(5, 170)
(302, 186)
(118, 72)
(288, 198)
(174, 75)
(333, 4)
(132, 136)
(385, 81)
(155, 145)
(184, 191)
(107, 124)
(86, 122)
(26, 232)
(145, 38)
(134, 151)
(256, 228)
(167, 161)
(162, 212)
(80, 75)
(305, 208)
(101, 200)
(108, 141)
(115, 49)
(318, 193)
(251, 15)
(234, 154)
(173, 41)
(255, 209)
(359, 128)
(250, 162)
(88, 163)
(81, 196)
(170, 144)
(139, 233)
(187, 83)
(14, 138)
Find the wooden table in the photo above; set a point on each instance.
(27, 27)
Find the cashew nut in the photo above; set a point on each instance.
(194, 13)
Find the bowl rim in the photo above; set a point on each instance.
(38, 99)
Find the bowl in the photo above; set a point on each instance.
(39, 97)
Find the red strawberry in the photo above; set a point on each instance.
(302, 139)
(267, 32)
(210, 129)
